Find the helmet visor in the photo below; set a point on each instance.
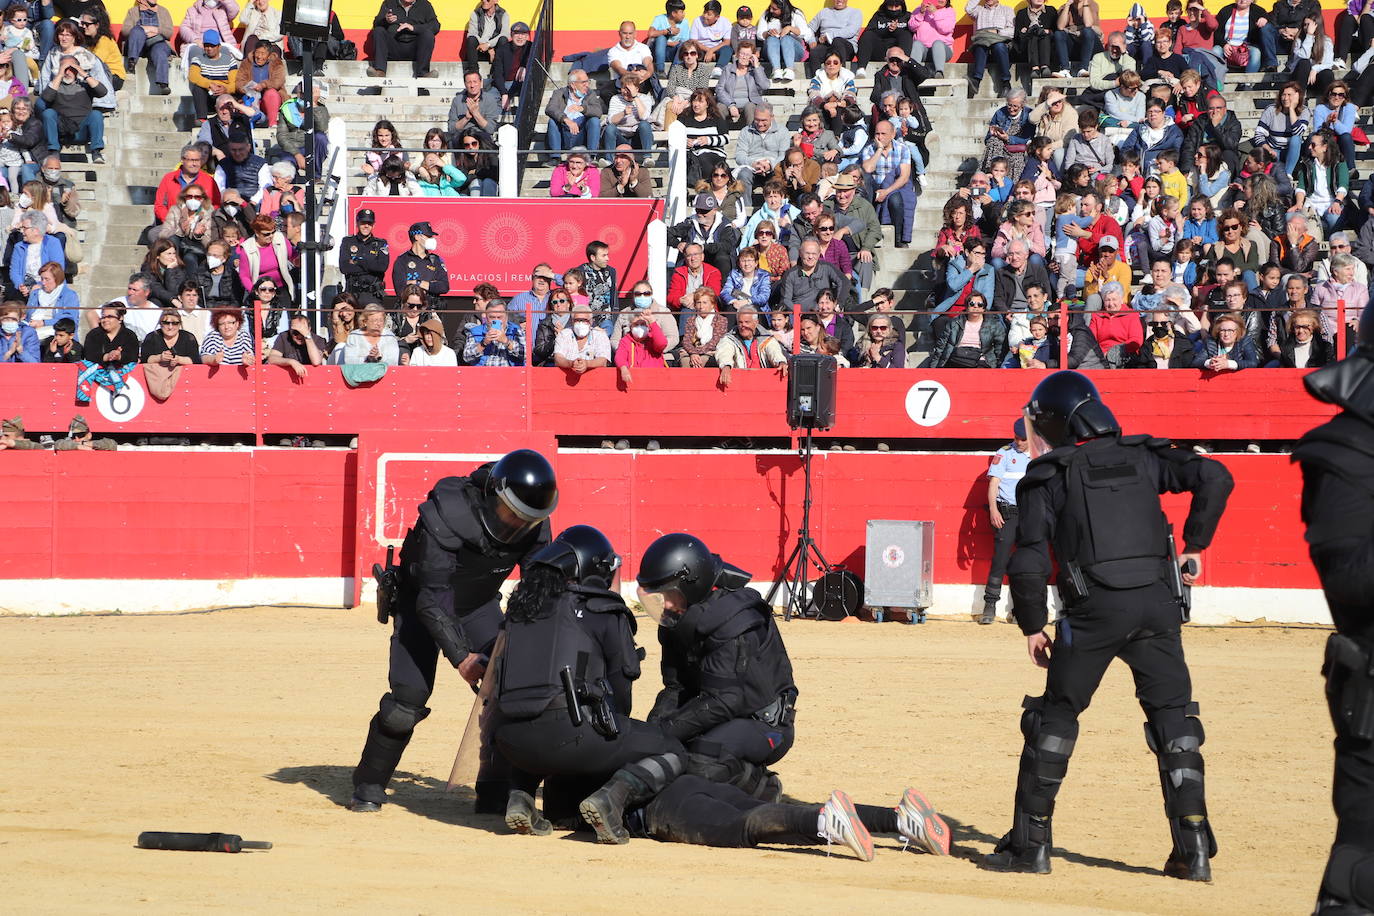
(664, 606)
(1036, 443)
(507, 520)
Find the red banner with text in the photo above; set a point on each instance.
(497, 240)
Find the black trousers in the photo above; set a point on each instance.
(874, 45)
(841, 46)
(413, 661)
(472, 56)
(1352, 35)
(698, 811)
(745, 739)
(1352, 795)
(550, 745)
(385, 48)
(1141, 627)
(1003, 540)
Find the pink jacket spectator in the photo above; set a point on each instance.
(937, 25)
(645, 353)
(557, 181)
(1120, 327)
(1327, 295)
(1036, 240)
(200, 19)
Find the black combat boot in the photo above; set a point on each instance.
(1193, 850)
(1025, 849)
(989, 611)
(604, 809)
(523, 817)
(367, 797)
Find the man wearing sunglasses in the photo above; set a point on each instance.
(1216, 125)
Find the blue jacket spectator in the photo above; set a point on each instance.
(1153, 137)
(53, 305)
(963, 268)
(33, 227)
(18, 341)
(759, 289)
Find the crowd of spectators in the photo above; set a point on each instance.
(1175, 240)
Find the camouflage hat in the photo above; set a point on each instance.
(14, 426)
(78, 427)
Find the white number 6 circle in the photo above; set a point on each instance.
(121, 407)
(927, 403)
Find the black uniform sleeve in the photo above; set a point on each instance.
(376, 258)
(722, 695)
(432, 574)
(348, 266)
(1211, 485)
(438, 286)
(1030, 566)
(671, 667)
(1339, 537)
(622, 658)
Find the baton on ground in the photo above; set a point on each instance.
(198, 842)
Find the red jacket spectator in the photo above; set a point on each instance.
(1087, 246)
(1120, 327)
(169, 189)
(635, 352)
(677, 286)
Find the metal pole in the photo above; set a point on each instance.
(310, 290)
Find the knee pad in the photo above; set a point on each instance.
(1045, 757)
(717, 769)
(1350, 875)
(1176, 737)
(399, 718)
(655, 773)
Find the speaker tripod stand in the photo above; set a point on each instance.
(794, 571)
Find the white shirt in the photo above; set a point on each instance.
(1301, 354)
(633, 56)
(445, 357)
(595, 345)
(141, 320)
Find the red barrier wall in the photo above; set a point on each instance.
(296, 513)
(1182, 404)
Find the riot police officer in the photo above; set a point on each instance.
(1092, 496)
(364, 259)
(1337, 461)
(727, 680)
(471, 533)
(565, 675)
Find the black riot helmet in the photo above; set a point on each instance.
(1065, 407)
(583, 554)
(677, 571)
(520, 493)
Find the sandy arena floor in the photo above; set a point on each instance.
(250, 722)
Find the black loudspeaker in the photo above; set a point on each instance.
(811, 391)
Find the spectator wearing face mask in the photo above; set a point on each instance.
(18, 341)
(581, 346)
(642, 346)
(1164, 346)
(642, 303)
